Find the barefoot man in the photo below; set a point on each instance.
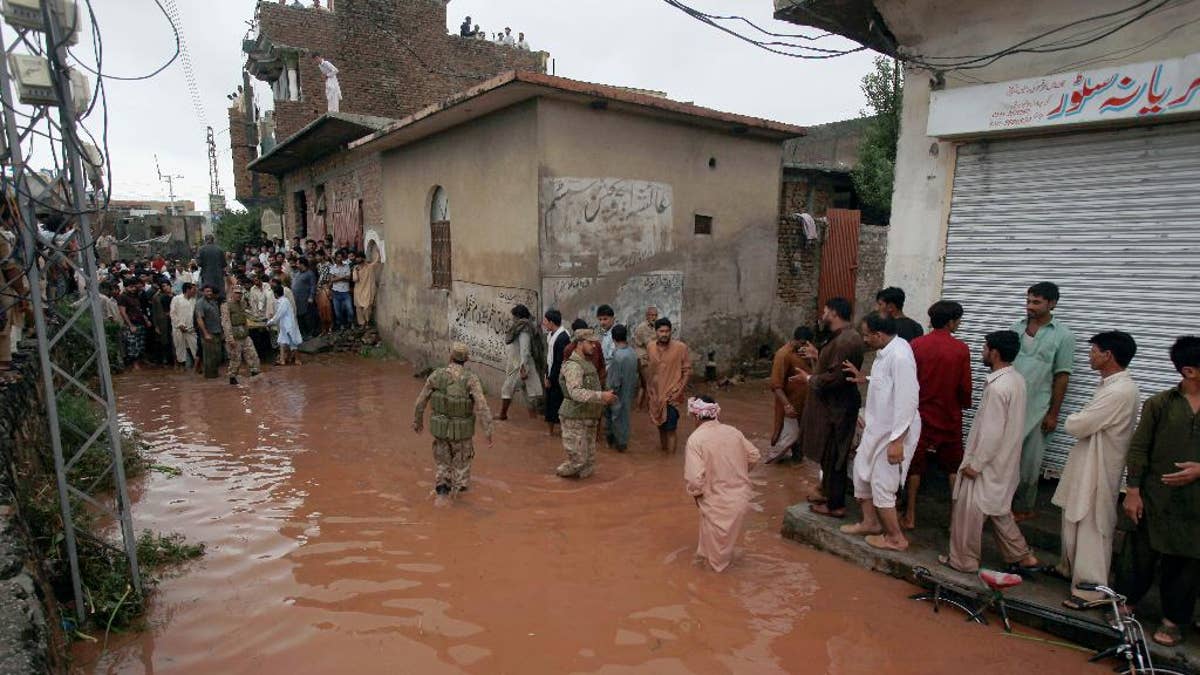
(889, 438)
(991, 465)
(717, 475)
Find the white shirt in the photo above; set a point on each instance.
(893, 394)
(550, 340)
(1092, 477)
(508, 39)
(523, 45)
(183, 311)
(328, 70)
(340, 270)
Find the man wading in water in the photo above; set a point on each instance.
(457, 399)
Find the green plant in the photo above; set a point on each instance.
(78, 419)
(874, 175)
(237, 229)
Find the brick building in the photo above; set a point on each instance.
(394, 57)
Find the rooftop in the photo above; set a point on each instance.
(497, 93)
(857, 20)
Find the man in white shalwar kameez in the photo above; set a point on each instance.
(890, 435)
(991, 465)
(333, 90)
(717, 475)
(1087, 491)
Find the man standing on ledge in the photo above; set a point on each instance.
(1163, 499)
(890, 435)
(944, 373)
(457, 399)
(890, 302)
(991, 465)
(831, 409)
(333, 90)
(1047, 349)
(667, 376)
(1091, 482)
(583, 403)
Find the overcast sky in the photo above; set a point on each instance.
(637, 43)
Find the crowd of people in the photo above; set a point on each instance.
(472, 30)
(238, 307)
(590, 380)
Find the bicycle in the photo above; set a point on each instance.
(1132, 648)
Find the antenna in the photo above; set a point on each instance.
(216, 198)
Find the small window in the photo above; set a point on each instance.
(321, 198)
(439, 239)
(703, 224)
(301, 202)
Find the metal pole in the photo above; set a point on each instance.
(66, 110)
(29, 239)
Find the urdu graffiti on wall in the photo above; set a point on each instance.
(479, 317)
(663, 290)
(1137, 90)
(600, 225)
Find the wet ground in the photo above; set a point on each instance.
(327, 554)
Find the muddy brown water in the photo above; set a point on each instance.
(327, 554)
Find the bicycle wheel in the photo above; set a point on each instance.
(944, 600)
(1156, 670)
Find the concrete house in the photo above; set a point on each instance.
(535, 189)
(1072, 157)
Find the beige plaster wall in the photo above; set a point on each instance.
(489, 170)
(729, 277)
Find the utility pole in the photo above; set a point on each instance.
(171, 210)
(73, 247)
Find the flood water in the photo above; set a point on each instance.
(327, 554)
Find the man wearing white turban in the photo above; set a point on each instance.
(717, 475)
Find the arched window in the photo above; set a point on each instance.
(439, 238)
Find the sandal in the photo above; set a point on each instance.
(1081, 605)
(1025, 572)
(824, 510)
(1174, 635)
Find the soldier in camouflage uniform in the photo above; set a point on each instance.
(457, 399)
(583, 403)
(235, 324)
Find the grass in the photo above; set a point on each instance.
(78, 419)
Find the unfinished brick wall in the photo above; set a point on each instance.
(872, 251)
(348, 181)
(798, 189)
(394, 57)
(251, 189)
(797, 265)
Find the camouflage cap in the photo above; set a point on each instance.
(585, 334)
(459, 352)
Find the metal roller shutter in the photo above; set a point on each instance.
(1112, 217)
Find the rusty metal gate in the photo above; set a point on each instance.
(839, 256)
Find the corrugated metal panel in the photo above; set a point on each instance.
(839, 256)
(1113, 218)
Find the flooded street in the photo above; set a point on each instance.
(326, 553)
